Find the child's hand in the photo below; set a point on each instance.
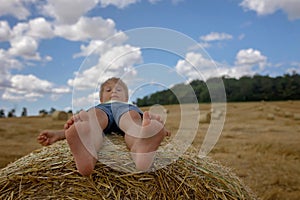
(47, 137)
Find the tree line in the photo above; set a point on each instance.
(12, 112)
(246, 88)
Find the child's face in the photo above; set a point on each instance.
(113, 91)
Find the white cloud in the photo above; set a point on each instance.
(24, 37)
(246, 61)
(296, 64)
(117, 61)
(15, 8)
(30, 88)
(265, 7)
(241, 37)
(98, 47)
(40, 28)
(66, 11)
(5, 31)
(118, 3)
(214, 36)
(295, 67)
(12, 94)
(196, 66)
(201, 45)
(7, 63)
(86, 101)
(24, 46)
(95, 47)
(37, 28)
(293, 70)
(20, 29)
(48, 59)
(87, 28)
(30, 83)
(250, 57)
(154, 1)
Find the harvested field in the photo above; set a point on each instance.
(263, 153)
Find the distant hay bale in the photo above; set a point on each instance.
(59, 115)
(42, 114)
(50, 173)
(217, 114)
(287, 114)
(270, 116)
(296, 116)
(277, 109)
(204, 117)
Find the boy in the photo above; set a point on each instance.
(143, 132)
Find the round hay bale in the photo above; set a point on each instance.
(217, 114)
(205, 117)
(42, 114)
(277, 109)
(59, 115)
(50, 173)
(296, 116)
(288, 114)
(270, 116)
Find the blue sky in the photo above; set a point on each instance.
(55, 53)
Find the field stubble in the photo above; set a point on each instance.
(264, 152)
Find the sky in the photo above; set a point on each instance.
(56, 53)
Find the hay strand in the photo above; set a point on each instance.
(50, 173)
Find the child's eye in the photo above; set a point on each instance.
(108, 89)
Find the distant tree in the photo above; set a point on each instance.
(2, 113)
(24, 112)
(43, 112)
(52, 110)
(11, 113)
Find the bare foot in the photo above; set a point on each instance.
(84, 139)
(144, 148)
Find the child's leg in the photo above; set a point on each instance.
(142, 136)
(85, 139)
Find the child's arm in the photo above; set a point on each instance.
(48, 137)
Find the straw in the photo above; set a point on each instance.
(50, 173)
